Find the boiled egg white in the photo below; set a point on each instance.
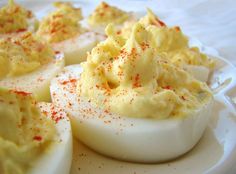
(125, 138)
(75, 49)
(57, 158)
(36, 82)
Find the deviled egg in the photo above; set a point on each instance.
(105, 14)
(28, 64)
(62, 29)
(173, 45)
(127, 102)
(35, 137)
(15, 19)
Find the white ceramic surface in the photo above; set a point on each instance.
(216, 151)
(129, 139)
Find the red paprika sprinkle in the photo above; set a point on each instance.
(167, 87)
(37, 138)
(106, 111)
(69, 81)
(136, 82)
(21, 30)
(21, 92)
(118, 32)
(177, 28)
(105, 5)
(183, 97)
(161, 23)
(56, 52)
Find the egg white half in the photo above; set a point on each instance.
(57, 158)
(129, 139)
(76, 48)
(36, 82)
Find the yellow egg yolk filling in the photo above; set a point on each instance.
(61, 24)
(23, 54)
(128, 77)
(171, 43)
(105, 14)
(24, 132)
(13, 18)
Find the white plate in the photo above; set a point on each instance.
(214, 154)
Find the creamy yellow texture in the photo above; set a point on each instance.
(14, 18)
(151, 19)
(61, 24)
(24, 132)
(168, 39)
(128, 77)
(171, 43)
(105, 14)
(191, 56)
(147, 20)
(23, 54)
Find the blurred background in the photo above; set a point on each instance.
(213, 22)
